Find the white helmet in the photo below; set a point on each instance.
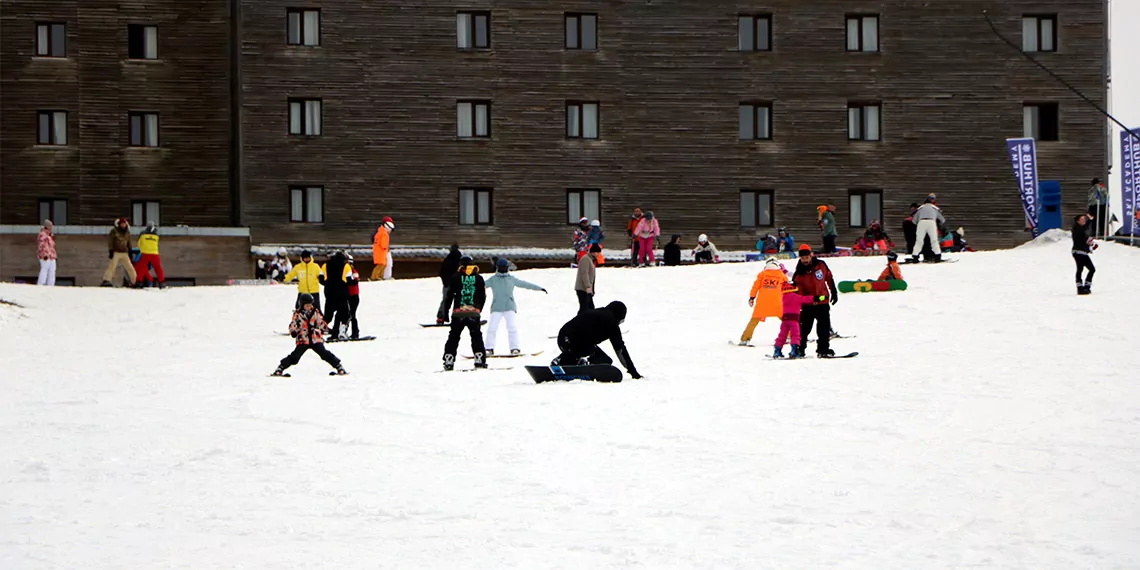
(596, 223)
(703, 238)
(771, 263)
(281, 252)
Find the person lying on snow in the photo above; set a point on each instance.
(579, 339)
(892, 271)
(308, 327)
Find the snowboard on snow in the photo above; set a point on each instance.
(508, 355)
(596, 372)
(848, 355)
(908, 261)
(474, 369)
(433, 325)
(869, 286)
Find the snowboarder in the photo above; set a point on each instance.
(148, 258)
(1083, 246)
(447, 269)
(647, 232)
(381, 255)
(335, 275)
(118, 251)
(45, 251)
(910, 228)
(764, 297)
(308, 327)
(467, 293)
(673, 251)
(927, 217)
(503, 307)
(705, 252)
(813, 277)
(584, 281)
(892, 271)
(793, 303)
(353, 298)
(580, 336)
(308, 276)
(631, 231)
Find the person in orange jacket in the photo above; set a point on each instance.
(892, 271)
(381, 257)
(766, 297)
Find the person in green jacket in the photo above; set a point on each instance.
(827, 227)
(503, 307)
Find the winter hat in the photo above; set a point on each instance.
(930, 198)
(595, 248)
(281, 252)
(771, 263)
(503, 264)
(388, 223)
(306, 253)
(805, 247)
(465, 260)
(583, 220)
(618, 309)
(306, 299)
(151, 227)
(821, 209)
(891, 255)
(649, 215)
(702, 238)
(596, 224)
(348, 258)
(48, 224)
(454, 248)
(783, 230)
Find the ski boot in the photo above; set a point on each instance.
(490, 352)
(833, 334)
(340, 371)
(795, 353)
(514, 352)
(279, 372)
(440, 321)
(778, 352)
(480, 360)
(825, 353)
(449, 362)
(1084, 288)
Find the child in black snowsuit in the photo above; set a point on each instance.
(308, 327)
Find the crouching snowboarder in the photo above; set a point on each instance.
(308, 327)
(579, 338)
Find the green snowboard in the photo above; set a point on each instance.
(871, 286)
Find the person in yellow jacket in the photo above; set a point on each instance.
(308, 276)
(148, 257)
(766, 298)
(381, 257)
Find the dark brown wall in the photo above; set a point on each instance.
(98, 86)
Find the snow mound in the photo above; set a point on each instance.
(1048, 238)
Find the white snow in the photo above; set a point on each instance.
(991, 421)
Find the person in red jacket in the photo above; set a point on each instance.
(813, 278)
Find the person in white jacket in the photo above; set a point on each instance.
(927, 217)
(705, 252)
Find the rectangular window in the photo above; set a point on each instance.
(581, 120)
(144, 129)
(755, 121)
(1042, 121)
(143, 212)
(305, 117)
(473, 119)
(475, 206)
(304, 26)
(53, 209)
(1039, 33)
(52, 128)
(864, 121)
(755, 32)
(862, 33)
(51, 39)
(142, 41)
(582, 31)
(583, 203)
(473, 30)
(307, 204)
(866, 206)
(756, 209)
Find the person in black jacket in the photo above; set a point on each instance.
(466, 293)
(579, 338)
(335, 276)
(673, 251)
(1082, 247)
(910, 227)
(447, 270)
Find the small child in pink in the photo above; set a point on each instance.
(790, 321)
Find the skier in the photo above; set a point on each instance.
(307, 327)
(580, 336)
(1083, 246)
(503, 305)
(673, 251)
(148, 248)
(764, 297)
(630, 230)
(647, 232)
(446, 270)
(308, 276)
(45, 251)
(892, 271)
(705, 252)
(353, 298)
(910, 227)
(584, 281)
(792, 306)
(580, 239)
(813, 277)
(118, 251)
(280, 266)
(335, 275)
(468, 293)
(927, 218)
(381, 255)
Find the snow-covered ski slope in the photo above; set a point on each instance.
(991, 421)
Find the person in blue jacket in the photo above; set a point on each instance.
(502, 284)
(785, 242)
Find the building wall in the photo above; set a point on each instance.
(98, 172)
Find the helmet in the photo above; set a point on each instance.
(281, 252)
(502, 262)
(891, 255)
(348, 258)
(306, 299)
(595, 223)
(783, 230)
(702, 238)
(466, 260)
(771, 263)
(151, 227)
(618, 309)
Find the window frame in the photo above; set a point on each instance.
(862, 193)
(51, 116)
(753, 20)
(142, 115)
(306, 212)
(144, 29)
(756, 193)
(300, 13)
(475, 103)
(476, 190)
(473, 29)
(577, 18)
(303, 102)
(47, 49)
(862, 107)
(580, 106)
(1039, 105)
(581, 197)
(145, 204)
(766, 105)
(860, 18)
(52, 204)
(1037, 20)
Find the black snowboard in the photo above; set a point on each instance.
(848, 355)
(596, 372)
(431, 325)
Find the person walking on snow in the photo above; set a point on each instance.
(467, 294)
(584, 280)
(631, 231)
(353, 298)
(381, 255)
(503, 307)
(45, 251)
(705, 251)
(891, 272)
(148, 250)
(118, 251)
(579, 338)
(793, 303)
(813, 277)
(308, 276)
(827, 227)
(446, 270)
(335, 275)
(927, 217)
(647, 231)
(764, 298)
(308, 327)
(1083, 247)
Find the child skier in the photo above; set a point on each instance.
(308, 327)
(892, 271)
(468, 292)
(793, 304)
(764, 297)
(503, 305)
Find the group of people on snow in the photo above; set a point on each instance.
(137, 263)
(802, 301)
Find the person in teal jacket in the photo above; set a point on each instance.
(502, 284)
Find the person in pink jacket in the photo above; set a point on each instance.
(790, 323)
(647, 232)
(45, 250)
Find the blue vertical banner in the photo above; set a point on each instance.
(1023, 153)
(1130, 163)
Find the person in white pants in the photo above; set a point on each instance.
(45, 250)
(503, 305)
(927, 217)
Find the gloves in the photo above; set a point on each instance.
(751, 301)
(834, 298)
(545, 291)
(110, 254)
(293, 334)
